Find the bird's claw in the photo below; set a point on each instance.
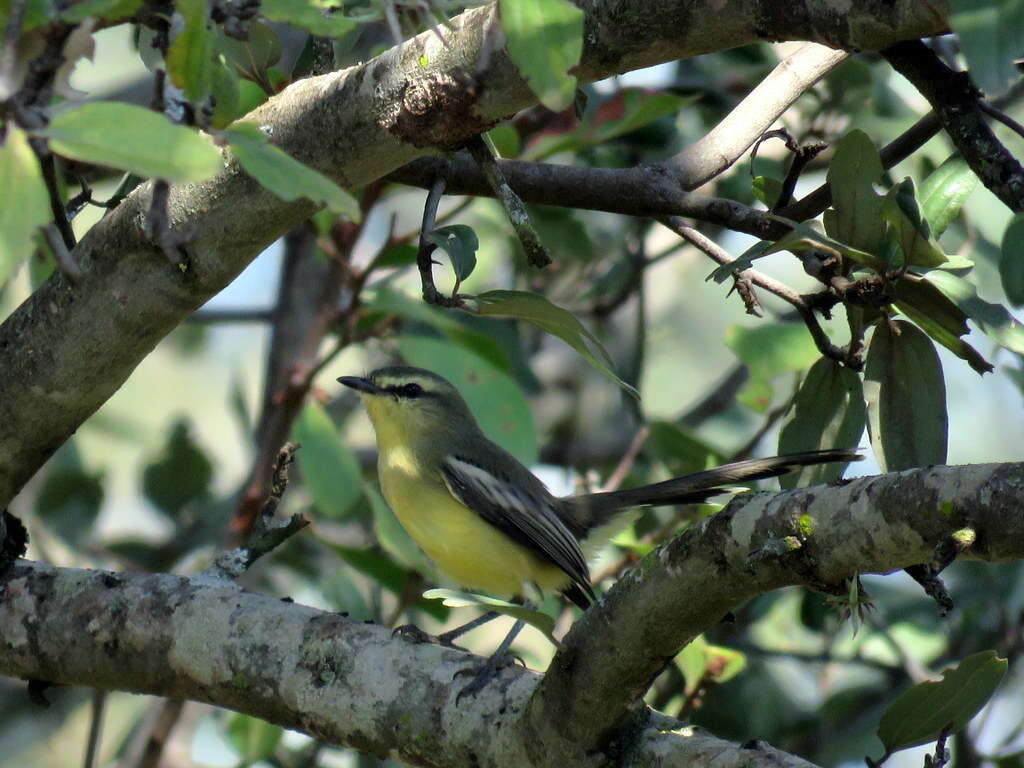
(413, 634)
(485, 673)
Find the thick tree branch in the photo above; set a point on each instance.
(68, 348)
(957, 103)
(341, 681)
(817, 537)
(350, 683)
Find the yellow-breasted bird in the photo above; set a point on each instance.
(484, 519)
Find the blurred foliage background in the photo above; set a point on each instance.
(157, 478)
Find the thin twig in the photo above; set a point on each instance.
(941, 756)
(212, 316)
(784, 292)
(57, 208)
(483, 153)
(718, 399)
(801, 157)
(267, 534)
(148, 744)
(770, 421)
(425, 254)
(1002, 117)
(306, 312)
(99, 700)
(65, 261)
(625, 465)
(957, 102)
(158, 226)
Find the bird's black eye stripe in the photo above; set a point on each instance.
(407, 390)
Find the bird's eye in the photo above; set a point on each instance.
(411, 390)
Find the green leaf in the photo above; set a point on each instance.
(252, 58)
(321, 17)
(945, 191)
(69, 502)
(495, 399)
(342, 593)
(800, 238)
(682, 451)
(250, 96)
(456, 599)
(37, 13)
(1011, 261)
(852, 174)
(102, 9)
(920, 714)
(20, 180)
(912, 231)
(906, 397)
(224, 87)
(701, 662)
(828, 412)
(285, 176)
(382, 569)
(537, 310)
(460, 243)
(415, 310)
(505, 139)
(180, 475)
(133, 139)
(991, 34)
(253, 739)
(940, 318)
(401, 255)
(693, 663)
(639, 108)
(767, 189)
(545, 40)
(769, 349)
(190, 55)
(329, 468)
(993, 319)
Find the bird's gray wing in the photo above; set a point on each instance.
(526, 517)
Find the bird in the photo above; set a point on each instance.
(485, 520)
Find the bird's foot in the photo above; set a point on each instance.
(413, 634)
(486, 672)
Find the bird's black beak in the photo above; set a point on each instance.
(359, 384)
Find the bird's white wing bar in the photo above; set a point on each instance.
(528, 520)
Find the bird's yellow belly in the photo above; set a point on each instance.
(465, 547)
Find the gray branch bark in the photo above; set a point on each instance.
(352, 684)
(68, 348)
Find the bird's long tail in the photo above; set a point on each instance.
(593, 510)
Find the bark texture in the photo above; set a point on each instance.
(353, 684)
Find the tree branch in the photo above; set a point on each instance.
(957, 103)
(349, 683)
(825, 535)
(68, 348)
(720, 147)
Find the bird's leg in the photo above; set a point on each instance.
(448, 637)
(414, 634)
(489, 670)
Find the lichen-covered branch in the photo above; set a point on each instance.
(353, 684)
(68, 348)
(817, 536)
(339, 680)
